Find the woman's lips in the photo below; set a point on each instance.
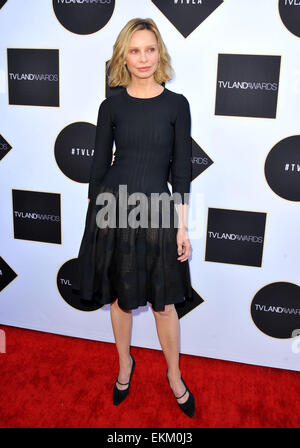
(144, 68)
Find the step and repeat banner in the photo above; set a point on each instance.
(238, 64)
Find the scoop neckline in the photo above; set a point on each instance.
(136, 98)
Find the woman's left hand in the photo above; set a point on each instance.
(183, 245)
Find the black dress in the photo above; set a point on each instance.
(136, 265)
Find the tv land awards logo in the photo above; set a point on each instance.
(74, 150)
(282, 168)
(37, 216)
(247, 85)
(235, 236)
(4, 147)
(289, 11)
(187, 15)
(33, 76)
(275, 310)
(83, 16)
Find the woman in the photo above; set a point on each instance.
(128, 266)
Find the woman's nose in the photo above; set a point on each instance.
(143, 56)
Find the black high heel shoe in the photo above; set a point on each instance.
(118, 394)
(188, 407)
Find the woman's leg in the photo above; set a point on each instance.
(121, 322)
(167, 325)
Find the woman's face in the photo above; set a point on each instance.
(142, 56)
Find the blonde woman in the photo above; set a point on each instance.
(129, 266)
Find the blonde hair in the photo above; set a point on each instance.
(117, 71)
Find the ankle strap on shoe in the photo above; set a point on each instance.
(122, 384)
(177, 398)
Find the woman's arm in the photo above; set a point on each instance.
(181, 174)
(181, 167)
(102, 157)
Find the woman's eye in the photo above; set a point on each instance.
(151, 49)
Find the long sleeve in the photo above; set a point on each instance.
(181, 168)
(102, 157)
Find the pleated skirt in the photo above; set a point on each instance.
(134, 265)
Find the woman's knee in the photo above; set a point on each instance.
(166, 312)
(115, 304)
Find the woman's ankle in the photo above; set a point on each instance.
(125, 361)
(174, 374)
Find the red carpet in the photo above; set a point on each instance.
(49, 380)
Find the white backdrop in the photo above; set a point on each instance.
(221, 327)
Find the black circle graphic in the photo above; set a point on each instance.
(65, 277)
(290, 15)
(282, 168)
(275, 309)
(83, 17)
(74, 149)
